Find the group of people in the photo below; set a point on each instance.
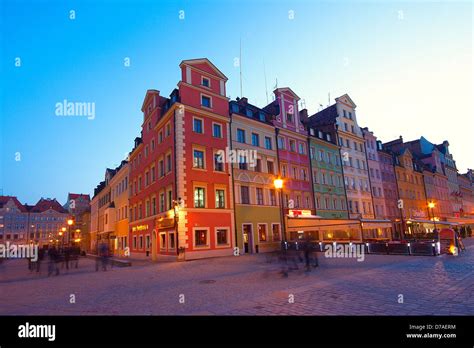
(67, 257)
(303, 251)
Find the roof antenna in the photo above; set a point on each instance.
(240, 65)
(265, 75)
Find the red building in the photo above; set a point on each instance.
(181, 195)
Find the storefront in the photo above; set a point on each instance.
(423, 229)
(324, 230)
(377, 230)
(166, 236)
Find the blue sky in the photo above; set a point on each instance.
(407, 66)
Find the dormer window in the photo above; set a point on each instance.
(235, 108)
(249, 113)
(289, 117)
(261, 116)
(320, 134)
(328, 137)
(206, 82)
(311, 131)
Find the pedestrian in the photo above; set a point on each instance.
(40, 259)
(67, 256)
(53, 261)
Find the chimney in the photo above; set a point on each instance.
(304, 115)
(243, 101)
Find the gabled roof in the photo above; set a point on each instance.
(148, 95)
(346, 99)
(4, 200)
(45, 204)
(286, 89)
(87, 197)
(194, 62)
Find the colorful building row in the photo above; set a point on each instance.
(201, 180)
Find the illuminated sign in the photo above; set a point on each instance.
(298, 212)
(140, 228)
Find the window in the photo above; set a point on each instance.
(244, 193)
(170, 200)
(276, 232)
(168, 130)
(268, 143)
(205, 82)
(205, 101)
(153, 206)
(241, 136)
(141, 242)
(270, 167)
(242, 163)
(258, 166)
(161, 169)
(168, 163)
(289, 117)
(220, 199)
(198, 159)
(255, 139)
(221, 236)
(200, 237)
(162, 202)
(171, 240)
(197, 125)
(218, 163)
(199, 197)
(292, 145)
(272, 197)
(281, 143)
(216, 130)
(259, 196)
(301, 149)
(262, 232)
(134, 242)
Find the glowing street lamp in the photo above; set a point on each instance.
(278, 183)
(432, 205)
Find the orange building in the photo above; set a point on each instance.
(413, 206)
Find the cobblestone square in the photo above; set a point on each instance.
(247, 285)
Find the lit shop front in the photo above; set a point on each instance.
(304, 225)
(376, 230)
(423, 229)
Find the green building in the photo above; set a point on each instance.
(327, 176)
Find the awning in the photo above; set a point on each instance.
(376, 224)
(462, 221)
(432, 222)
(312, 224)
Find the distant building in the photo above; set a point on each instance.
(39, 223)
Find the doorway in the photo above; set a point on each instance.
(247, 238)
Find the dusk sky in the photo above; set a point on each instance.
(407, 66)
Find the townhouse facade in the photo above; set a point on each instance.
(292, 151)
(327, 175)
(257, 202)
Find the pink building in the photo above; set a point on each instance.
(292, 145)
(375, 175)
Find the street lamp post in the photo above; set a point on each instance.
(176, 221)
(278, 183)
(431, 205)
(69, 223)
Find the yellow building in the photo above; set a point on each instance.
(119, 196)
(107, 223)
(257, 209)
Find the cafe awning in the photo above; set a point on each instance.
(461, 221)
(375, 223)
(313, 224)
